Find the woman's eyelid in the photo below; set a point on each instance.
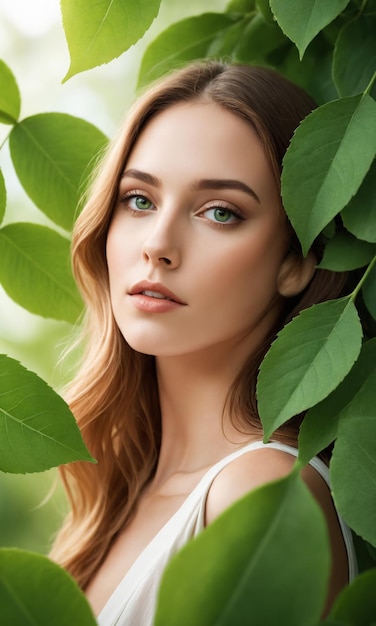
(130, 192)
(224, 206)
(126, 197)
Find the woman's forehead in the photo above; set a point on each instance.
(204, 131)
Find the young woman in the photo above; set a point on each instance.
(188, 267)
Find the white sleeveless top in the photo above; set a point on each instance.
(134, 600)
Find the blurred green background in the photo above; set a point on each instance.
(32, 44)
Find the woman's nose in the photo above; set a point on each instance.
(161, 245)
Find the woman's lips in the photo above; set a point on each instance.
(155, 294)
(154, 298)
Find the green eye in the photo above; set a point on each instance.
(222, 215)
(142, 203)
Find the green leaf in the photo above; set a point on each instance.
(371, 551)
(10, 99)
(228, 40)
(359, 216)
(354, 58)
(264, 8)
(369, 292)
(258, 40)
(344, 252)
(231, 571)
(365, 553)
(302, 20)
(34, 591)
(313, 72)
(100, 31)
(320, 425)
(187, 40)
(37, 429)
(353, 463)
(35, 271)
(337, 144)
(330, 230)
(53, 154)
(240, 6)
(356, 604)
(309, 358)
(3, 197)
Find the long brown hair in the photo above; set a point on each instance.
(114, 395)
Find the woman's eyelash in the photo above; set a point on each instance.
(134, 193)
(225, 208)
(128, 196)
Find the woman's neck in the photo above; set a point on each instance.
(195, 430)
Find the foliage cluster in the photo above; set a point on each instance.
(255, 562)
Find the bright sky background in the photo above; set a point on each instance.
(31, 17)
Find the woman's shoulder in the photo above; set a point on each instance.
(246, 472)
(255, 468)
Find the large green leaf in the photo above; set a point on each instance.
(35, 271)
(34, 591)
(354, 59)
(356, 604)
(53, 154)
(359, 216)
(3, 197)
(252, 39)
(258, 40)
(187, 40)
(10, 100)
(329, 156)
(228, 41)
(309, 359)
(37, 429)
(302, 20)
(353, 464)
(369, 292)
(320, 425)
(344, 252)
(100, 31)
(236, 571)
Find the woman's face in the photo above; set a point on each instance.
(198, 236)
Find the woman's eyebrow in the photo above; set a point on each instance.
(205, 183)
(143, 176)
(224, 183)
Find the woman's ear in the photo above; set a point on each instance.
(295, 273)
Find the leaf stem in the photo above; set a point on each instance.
(360, 284)
(5, 139)
(370, 84)
(363, 6)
